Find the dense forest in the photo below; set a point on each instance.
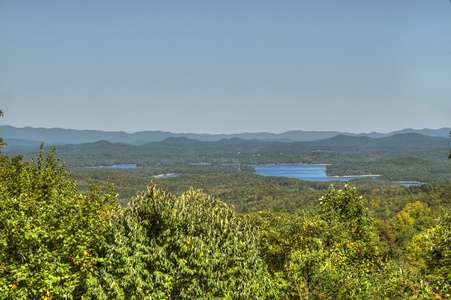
(220, 232)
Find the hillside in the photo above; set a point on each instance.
(182, 146)
(22, 137)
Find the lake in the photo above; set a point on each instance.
(304, 172)
(125, 166)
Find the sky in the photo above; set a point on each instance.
(226, 66)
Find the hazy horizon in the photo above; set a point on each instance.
(232, 133)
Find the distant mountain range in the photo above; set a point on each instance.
(29, 137)
(341, 143)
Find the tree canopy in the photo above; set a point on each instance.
(50, 238)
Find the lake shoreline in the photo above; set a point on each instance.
(165, 175)
(320, 174)
(308, 172)
(355, 176)
(293, 164)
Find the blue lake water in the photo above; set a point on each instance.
(408, 183)
(125, 166)
(304, 172)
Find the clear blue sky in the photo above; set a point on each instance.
(226, 66)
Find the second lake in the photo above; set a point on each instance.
(304, 172)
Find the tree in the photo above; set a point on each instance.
(182, 247)
(449, 156)
(355, 267)
(51, 235)
(438, 258)
(333, 254)
(2, 142)
(293, 248)
(411, 220)
(350, 223)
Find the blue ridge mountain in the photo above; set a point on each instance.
(29, 136)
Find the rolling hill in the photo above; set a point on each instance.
(29, 136)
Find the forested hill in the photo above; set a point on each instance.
(57, 136)
(399, 142)
(184, 150)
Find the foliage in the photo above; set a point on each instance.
(50, 233)
(438, 259)
(334, 253)
(183, 247)
(293, 248)
(429, 255)
(128, 181)
(2, 142)
(414, 218)
(420, 166)
(352, 243)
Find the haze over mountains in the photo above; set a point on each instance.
(415, 155)
(185, 146)
(32, 137)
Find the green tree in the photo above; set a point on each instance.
(2, 142)
(449, 156)
(333, 254)
(429, 255)
(438, 259)
(351, 234)
(50, 237)
(183, 247)
(292, 247)
(354, 267)
(411, 220)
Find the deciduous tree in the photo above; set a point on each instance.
(183, 247)
(51, 235)
(438, 259)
